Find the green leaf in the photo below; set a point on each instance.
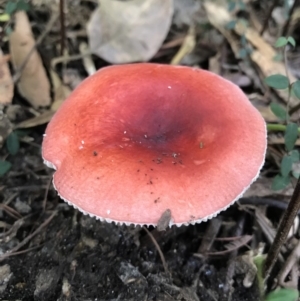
(22, 5)
(280, 182)
(281, 41)
(231, 24)
(283, 294)
(286, 165)
(243, 53)
(259, 261)
(296, 88)
(22, 132)
(242, 6)
(290, 136)
(294, 154)
(231, 6)
(4, 167)
(277, 81)
(10, 7)
(8, 30)
(278, 57)
(243, 40)
(4, 18)
(279, 111)
(12, 143)
(249, 49)
(292, 41)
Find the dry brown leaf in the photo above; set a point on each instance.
(6, 82)
(129, 31)
(214, 63)
(237, 243)
(262, 56)
(279, 140)
(187, 46)
(33, 84)
(61, 92)
(35, 121)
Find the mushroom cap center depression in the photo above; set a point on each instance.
(161, 122)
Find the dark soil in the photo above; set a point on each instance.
(79, 258)
(76, 257)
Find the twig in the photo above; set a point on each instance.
(11, 198)
(46, 194)
(28, 238)
(283, 230)
(69, 58)
(162, 257)
(231, 247)
(294, 109)
(210, 235)
(187, 46)
(10, 211)
(285, 29)
(290, 263)
(24, 251)
(256, 201)
(265, 25)
(277, 127)
(268, 230)
(62, 26)
(231, 264)
(9, 234)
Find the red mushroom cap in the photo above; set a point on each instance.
(135, 140)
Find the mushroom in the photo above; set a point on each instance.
(133, 141)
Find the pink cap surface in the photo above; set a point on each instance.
(135, 140)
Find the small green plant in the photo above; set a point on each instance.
(236, 4)
(12, 145)
(283, 294)
(280, 294)
(10, 8)
(290, 129)
(5, 166)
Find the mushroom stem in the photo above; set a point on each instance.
(277, 127)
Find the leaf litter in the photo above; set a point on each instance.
(129, 31)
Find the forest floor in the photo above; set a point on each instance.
(49, 250)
